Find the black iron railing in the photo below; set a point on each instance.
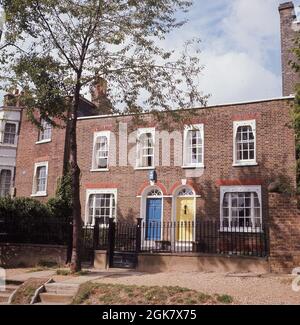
(202, 237)
(183, 237)
(41, 230)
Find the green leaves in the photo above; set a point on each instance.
(56, 44)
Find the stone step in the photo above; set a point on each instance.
(62, 288)
(4, 296)
(11, 288)
(51, 298)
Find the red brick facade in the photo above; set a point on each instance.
(275, 157)
(284, 233)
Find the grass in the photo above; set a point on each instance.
(116, 294)
(43, 265)
(26, 291)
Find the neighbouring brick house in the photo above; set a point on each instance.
(221, 167)
(10, 116)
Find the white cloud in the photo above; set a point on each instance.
(234, 76)
(242, 62)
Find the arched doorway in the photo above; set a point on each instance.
(152, 212)
(184, 214)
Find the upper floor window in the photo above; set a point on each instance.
(101, 205)
(5, 182)
(145, 148)
(245, 143)
(241, 208)
(193, 151)
(10, 131)
(46, 131)
(101, 150)
(39, 187)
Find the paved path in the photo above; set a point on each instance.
(260, 289)
(22, 277)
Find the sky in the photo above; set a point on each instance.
(240, 48)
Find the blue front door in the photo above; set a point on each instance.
(153, 219)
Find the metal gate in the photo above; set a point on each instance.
(123, 244)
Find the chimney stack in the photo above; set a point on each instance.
(288, 29)
(99, 96)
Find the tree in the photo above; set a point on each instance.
(54, 49)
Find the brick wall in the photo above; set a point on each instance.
(275, 157)
(288, 34)
(284, 233)
(29, 153)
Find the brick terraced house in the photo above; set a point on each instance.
(222, 167)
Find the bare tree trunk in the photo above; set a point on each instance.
(75, 172)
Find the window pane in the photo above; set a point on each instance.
(146, 150)
(46, 132)
(9, 133)
(242, 209)
(41, 179)
(245, 143)
(104, 207)
(5, 182)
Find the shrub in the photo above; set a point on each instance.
(23, 208)
(61, 205)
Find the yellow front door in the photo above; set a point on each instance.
(184, 218)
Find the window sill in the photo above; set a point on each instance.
(144, 168)
(192, 167)
(245, 164)
(8, 145)
(99, 170)
(39, 194)
(43, 141)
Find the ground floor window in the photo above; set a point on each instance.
(101, 206)
(241, 208)
(5, 182)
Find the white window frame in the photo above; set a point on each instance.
(89, 192)
(97, 135)
(34, 182)
(11, 177)
(140, 132)
(240, 189)
(40, 131)
(187, 129)
(16, 135)
(236, 125)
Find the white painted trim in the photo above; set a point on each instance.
(174, 208)
(99, 170)
(140, 132)
(143, 207)
(241, 189)
(2, 133)
(236, 125)
(144, 168)
(208, 106)
(99, 191)
(43, 193)
(43, 141)
(97, 135)
(188, 128)
(245, 163)
(199, 166)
